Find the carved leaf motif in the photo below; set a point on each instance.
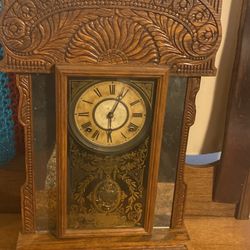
(51, 38)
(111, 40)
(174, 39)
(183, 34)
(47, 34)
(169, 42)
(159, 28)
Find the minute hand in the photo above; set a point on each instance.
(118, 99)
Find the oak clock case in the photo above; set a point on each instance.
(109, 116)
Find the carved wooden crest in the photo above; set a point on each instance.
(37, 34)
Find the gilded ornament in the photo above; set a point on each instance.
(116, 192)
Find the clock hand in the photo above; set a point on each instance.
(110, 115)
(109, 123)
(118, 99)
(109, 130)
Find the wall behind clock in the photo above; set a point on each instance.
(206, 136)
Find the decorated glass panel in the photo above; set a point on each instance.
(109, 135)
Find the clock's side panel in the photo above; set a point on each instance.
(42, 153)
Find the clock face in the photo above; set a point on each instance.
(109, 116)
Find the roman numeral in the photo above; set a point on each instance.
(83, 114)
(137, 115)
(95, 136)
(134, 103)
(124, 136)
(98, 93)
(87, 102)
(86, 125)
(132, 127)
(109, 137)
(112, 89)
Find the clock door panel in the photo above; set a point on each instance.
(107, 188)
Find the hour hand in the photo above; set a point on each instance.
(109, 121)
(109, 136)
(109, 130)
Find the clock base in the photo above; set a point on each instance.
(161, 239)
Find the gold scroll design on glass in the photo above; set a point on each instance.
(110, 190)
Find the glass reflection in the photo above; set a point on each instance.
(170, 151)
(43, 91)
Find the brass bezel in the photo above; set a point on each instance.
(110, 149)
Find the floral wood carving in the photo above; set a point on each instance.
(25, 114)
(184, 34)
(189, 119)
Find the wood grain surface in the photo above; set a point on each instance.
(213, 233)
(199, 194)
(206, 233)
(160, 239)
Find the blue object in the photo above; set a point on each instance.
(7, 139)
(204, 159)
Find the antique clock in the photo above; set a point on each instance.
(106, 131)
